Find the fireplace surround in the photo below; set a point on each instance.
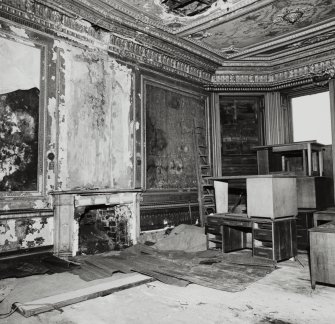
(69, 204)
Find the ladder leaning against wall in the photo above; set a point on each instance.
(204, 170)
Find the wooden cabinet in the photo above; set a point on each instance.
(274, 239)
(322, 257)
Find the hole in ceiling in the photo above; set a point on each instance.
(188, 8)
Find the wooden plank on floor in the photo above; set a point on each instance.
(76, 296)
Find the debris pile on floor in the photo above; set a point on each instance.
(187, 238)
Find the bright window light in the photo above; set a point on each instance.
(311, 118)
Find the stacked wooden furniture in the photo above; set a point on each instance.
(270, 218)
(272, 205)
(305, 161)
(285, 158)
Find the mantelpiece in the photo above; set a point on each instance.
(66, 203)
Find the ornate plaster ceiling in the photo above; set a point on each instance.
(242, 29)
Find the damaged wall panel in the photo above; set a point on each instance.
(25, 233)
(171, 109)
(170, 115)
(95, 143)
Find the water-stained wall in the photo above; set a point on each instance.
(95, 144)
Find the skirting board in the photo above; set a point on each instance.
(58, 301)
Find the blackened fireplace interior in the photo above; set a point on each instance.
(103, 228)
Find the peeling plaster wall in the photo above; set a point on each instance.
(95, 142)
(24, 233)
(88, 139)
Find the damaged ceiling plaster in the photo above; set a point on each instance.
(188, 8)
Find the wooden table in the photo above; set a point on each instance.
(322, 254)
(306, 148)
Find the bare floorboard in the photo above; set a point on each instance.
(65, 299)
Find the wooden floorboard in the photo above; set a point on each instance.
(65, 299)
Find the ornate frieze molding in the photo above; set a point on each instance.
(129, 49)
(285, 77)
(256, 87)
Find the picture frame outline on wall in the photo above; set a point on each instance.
(37, 190)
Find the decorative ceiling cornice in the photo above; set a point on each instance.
(105, 13)
(259, 87)
(283, 76)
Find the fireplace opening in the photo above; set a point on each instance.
(103, 228)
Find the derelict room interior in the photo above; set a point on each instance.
(167, 161)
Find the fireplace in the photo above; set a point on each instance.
(103, 228)
(92, 222)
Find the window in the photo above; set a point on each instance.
(311, 118)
